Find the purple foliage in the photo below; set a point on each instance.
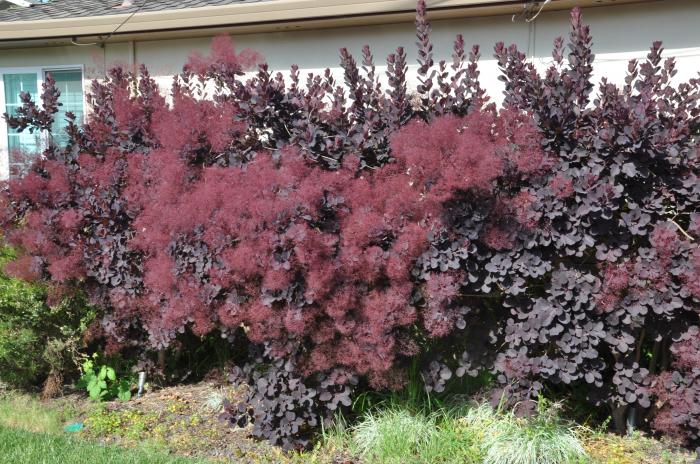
(349, 229)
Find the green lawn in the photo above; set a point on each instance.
(19, 447)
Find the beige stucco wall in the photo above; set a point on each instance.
(620, 33)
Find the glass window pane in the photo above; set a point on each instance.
(22, 147)
(70, 84)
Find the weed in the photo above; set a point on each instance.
(101, 382)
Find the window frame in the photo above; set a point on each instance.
(40, 72)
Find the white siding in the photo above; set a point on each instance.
(620, 33)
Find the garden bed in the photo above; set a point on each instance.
(182, 419)
(180, 425)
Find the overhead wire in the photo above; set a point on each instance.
(534, 17)
(143, 3)
(109, 36)
(528, 8)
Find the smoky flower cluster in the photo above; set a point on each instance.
(350, 229)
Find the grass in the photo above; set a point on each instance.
(478, 434)
(541, 439)
(393, 436)
(24, 412)
(393, 433)
(20, 446)
(31, 431)
(411, 426)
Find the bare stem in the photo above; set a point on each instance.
(687, 235)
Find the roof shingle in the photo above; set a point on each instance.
(62, 9)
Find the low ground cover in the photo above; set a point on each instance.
(635, 448)
(179, 425)
(182, 419)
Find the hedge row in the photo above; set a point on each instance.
(347, 230)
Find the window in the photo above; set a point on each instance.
(17, 150)
(70, 84)
(20, 146)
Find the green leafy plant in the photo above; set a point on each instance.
(21, 304)
(40, 340)
(101, 382)
(19, 356)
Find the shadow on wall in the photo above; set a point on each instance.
(621, 32)
(617, 29)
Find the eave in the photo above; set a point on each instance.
(265, 16)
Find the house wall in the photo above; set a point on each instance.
(620, 32)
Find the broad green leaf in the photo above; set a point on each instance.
(124, 395)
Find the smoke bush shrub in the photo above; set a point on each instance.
(284, 407)
(349, 228)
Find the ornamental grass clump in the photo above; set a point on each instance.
(475, 434)
(398, 434)
(540, 439)
(393, 435)
(343, 231)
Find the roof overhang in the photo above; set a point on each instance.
(263, 16)
(22, 3)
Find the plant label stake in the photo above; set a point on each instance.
(142, 381)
